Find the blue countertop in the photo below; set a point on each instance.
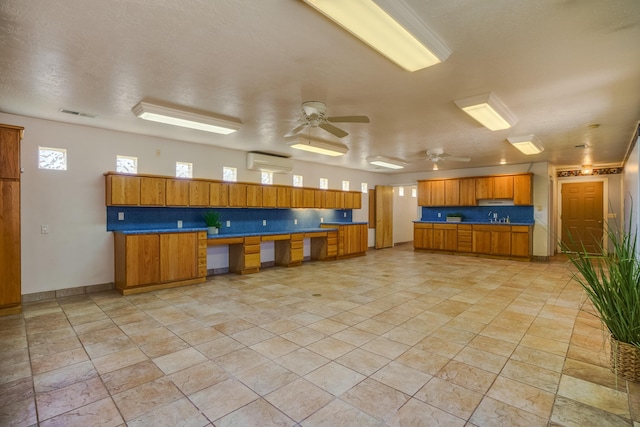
(474, 222)
(225, 235)
(345, 223)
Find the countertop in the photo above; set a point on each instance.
(224, 235)
(475, 222)
(345, 223)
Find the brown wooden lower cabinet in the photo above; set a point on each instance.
(352, 239)
(145, 262)
(482, 239)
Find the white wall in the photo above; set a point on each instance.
(631, 187)
(405, 211)
(78, 251)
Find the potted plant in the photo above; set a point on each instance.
(212, 219)
(612, 284)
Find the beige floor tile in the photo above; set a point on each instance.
(145, 398)
(376, 399)
(179, 360)
(253, 336)
(198, 377)
(339, 413)
(491, 412)
(593, 373)
(258, 413)
(567, 412)
(522, 396)
(539, 358)
(118, 360)
(401, 377)
(19, 413)
(334, 378)
(449, 397)
(481, 359)
(131, 376)
(179, 413)
(67, 398)
(533, 375)
(63, 377)
(550, 346)
(385, 347)
(493, 345)
(266, 377)
(467, 376)
(423, 361)
(100, 413)
(417, 413)
(275, 347)
(299, 399)
(219, 347)
(330, 347)
(222, 398)
(202, 335)
(302, 361)
(240, 360)
(594, 395)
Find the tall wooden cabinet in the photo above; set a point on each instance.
(10, 279)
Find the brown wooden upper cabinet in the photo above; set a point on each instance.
(523, 190)
(237, 195)
(199, 193)
(177, 192)
(123, 190)
(283, 197)
(218, 194)
(269, 197)
(152, 191)
(468, 192)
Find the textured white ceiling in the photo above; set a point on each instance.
(559, 65)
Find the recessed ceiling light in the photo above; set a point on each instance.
(503, 162)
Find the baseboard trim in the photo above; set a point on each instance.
(67, 292)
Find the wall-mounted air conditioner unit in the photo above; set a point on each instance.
(267, 163)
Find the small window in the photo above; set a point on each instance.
(184, 170)
(401, 191)
(414, 192)
(324, 183)
(52, 158)
(364, 187)
(126, 164)
(267, 178)
(229, 174)
(345, 185)
(297, 180)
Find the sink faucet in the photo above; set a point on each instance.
(490, 216)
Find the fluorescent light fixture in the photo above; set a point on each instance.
(488, 110)
(386, 162)
(185, 118)
(319, 146)
(526, 144)
(390, 27)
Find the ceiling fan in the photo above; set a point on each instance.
(437, 155)
(314, 114)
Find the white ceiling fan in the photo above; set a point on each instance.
(314, 114)
(436, 155)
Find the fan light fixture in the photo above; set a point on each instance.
(185, 118)
(319, 146)
(488, 110)
(388, 26)
(587, 169)
(386, 162)
(527, 144)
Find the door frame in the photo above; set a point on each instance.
(605, 205)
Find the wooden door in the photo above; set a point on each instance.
(384, 216)
(582, 216)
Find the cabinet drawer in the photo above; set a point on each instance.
(421, 225)
(297, 255)
(297, 245)
(252, 249)
(520, 228)
(332, 240)
(297, 237)
(464, 247)
(201, 262)
(445, 226)
(202, 252)
(202, 244)
(252, 240)
(464, 227)
(252, 260)
(202, 235)
(202, 270)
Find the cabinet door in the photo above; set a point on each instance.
(481, 241)
(199, 193)
(10, 243)
(520, 242)
(142, 259)
(123, 190)
(445, 237)
(437, 193)
(297, 198)
(484, 187)
(152, 191)
(320, 198)
(501, 242)
(468, 192)
(178, 256)
(269, 197)
(424, 193)
(254, 196)
(284, 197)
(308, 198)
(353, 200)
(452, 192)
(218, 194)
(423, 236)
(177, 192)
(522, 190)
(503, 187)
(10, 152)
(238, 195)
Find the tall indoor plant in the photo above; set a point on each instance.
(212, 219)
(612, 284)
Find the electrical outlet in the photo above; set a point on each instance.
(264, 222)
(295, 221)
(321, 220)
(44, 229)
(439, 215)
(179, 223)
(228, 223)
(345, 214)
(120, 216)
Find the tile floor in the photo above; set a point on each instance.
(395, 338)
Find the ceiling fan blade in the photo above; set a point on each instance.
(459, 159)
(334, 130)
(349, 119)
(296, 130)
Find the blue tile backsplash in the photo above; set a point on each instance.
(518, 214)
(242, 220)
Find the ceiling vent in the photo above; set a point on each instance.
(77, 113)
(268, 163)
